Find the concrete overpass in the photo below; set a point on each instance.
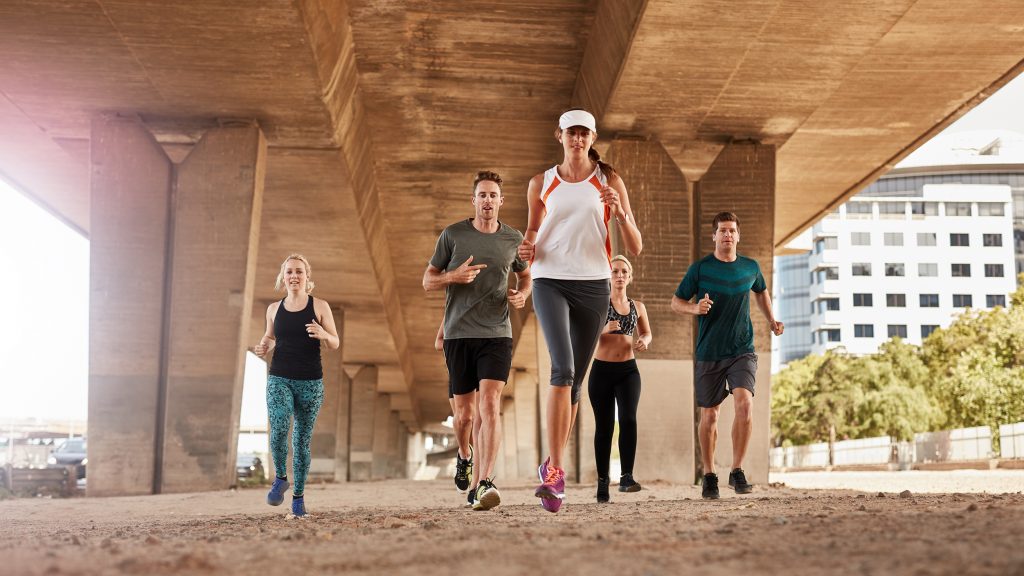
(198, 144)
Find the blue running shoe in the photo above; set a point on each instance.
(299, 507)
(276, 494)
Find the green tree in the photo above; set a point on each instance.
(789, 393)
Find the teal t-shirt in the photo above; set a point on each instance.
(478, 309)
(725, 331)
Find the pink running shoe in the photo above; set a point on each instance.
(542, 470)
(552, 491)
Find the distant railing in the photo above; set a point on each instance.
(960, 445)
(1011, 440)
(953, 445)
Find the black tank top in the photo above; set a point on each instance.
(627, 323)
(296, 355)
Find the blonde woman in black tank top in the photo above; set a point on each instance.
(296, 326)
(615, 381)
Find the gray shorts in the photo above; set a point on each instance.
(714, 381)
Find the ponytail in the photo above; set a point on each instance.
(606, 168)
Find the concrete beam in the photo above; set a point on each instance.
(611, 38)
(330, 34)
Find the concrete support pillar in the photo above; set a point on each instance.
(329, 447)
(395, 455)
(661, 201)
(527, 430)
(381, 435)
(742, 181)
(192, 231)
(508, 459)
(362, 414)
(130, 205)
(415, 454)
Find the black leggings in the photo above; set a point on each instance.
(614, 383)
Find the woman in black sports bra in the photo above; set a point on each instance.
(615, 380)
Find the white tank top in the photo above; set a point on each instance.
(573, 242)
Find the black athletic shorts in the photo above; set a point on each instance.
(714, 381)
(471, 360)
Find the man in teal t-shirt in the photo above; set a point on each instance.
(724, 361)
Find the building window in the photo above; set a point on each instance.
(894, 269)
(860, 210)
(992, 239)
(831, 304)
(860, 238)
(991, 209)
(862, 299)
(993, 270)
(864, 330)
(924, 208)
(830, 273)
(898, 331)
(813, 278)
(926, 239)
(833, 335)
(861, 269)
(927, 329)
(894, 238)
(958, 208)
(896, 300)
(962, 300)
(892, 210)
(961, 270)
(927, 269)
(929, 300)
(959, 240)
(993, 300)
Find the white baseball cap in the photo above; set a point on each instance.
(577, 118)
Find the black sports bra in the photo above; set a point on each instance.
(627, 323)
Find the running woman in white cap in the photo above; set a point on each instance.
(572, 206)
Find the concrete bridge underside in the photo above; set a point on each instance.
(196, 145)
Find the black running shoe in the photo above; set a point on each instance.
(487, 495)
(738, 481)
(602, 490)
(710, 490)
(471, 498)
(463, 471)
(627, 484)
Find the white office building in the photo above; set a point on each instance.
(931, 238)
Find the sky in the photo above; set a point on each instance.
(44, 346)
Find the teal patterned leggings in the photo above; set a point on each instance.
(301, 398)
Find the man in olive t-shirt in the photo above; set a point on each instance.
(724, 361)
(472, 261)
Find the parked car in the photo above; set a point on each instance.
(249, 466)
(71, 453)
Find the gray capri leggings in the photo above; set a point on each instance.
(572, 314)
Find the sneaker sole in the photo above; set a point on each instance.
(746, 490)
(552, 505)
(547, 494)
(715, 497)
(633, 488)
(489, 500)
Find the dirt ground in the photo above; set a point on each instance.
(405, 527)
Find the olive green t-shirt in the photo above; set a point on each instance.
(725, 331)
(478, 309)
